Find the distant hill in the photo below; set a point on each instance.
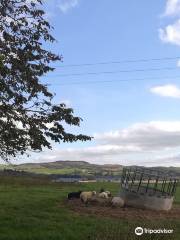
(68, 167)
(79, 168)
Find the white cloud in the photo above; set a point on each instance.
(66, 5)
(171, 33)
(140, 144)
(168, 90)
(151, 136)
(172, 8)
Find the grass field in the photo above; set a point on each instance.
(33, 209)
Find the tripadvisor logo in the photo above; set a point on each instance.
(139, 231)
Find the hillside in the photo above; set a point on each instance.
(68, 167)
(78, 168)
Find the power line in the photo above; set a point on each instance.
(119, 80)
(114, 72)
(117, 62)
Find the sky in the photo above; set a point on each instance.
(120, 73)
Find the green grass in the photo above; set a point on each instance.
(42, 170)
(32, 209)
(52, 171)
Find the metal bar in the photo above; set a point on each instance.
(162, 187)
(174, 187)
(140, 181)
(169, 187)
(148, 184)
(134, 177)
(123, 176)
(155, 185)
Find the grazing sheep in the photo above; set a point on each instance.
(117, 202)
(103, 195)
(97, 201)
(86, 196)
(108, 193)
(73, 195)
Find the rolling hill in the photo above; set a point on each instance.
(67, 167)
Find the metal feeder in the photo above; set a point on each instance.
(148, 188)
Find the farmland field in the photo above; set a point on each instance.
(35, 209)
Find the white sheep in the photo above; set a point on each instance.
(103, 195)
(108, 193)
(86, 196)
(117, 202)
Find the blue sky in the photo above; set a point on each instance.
(133, 121)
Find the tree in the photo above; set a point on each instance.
(29, 120)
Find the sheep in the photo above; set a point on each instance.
(97, 201)
(72, 195)
(86, 196)
(108, 193)
(117, 202)
(103, 195)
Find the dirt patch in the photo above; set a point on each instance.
(124, 213)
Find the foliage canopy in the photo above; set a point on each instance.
(29, 120)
